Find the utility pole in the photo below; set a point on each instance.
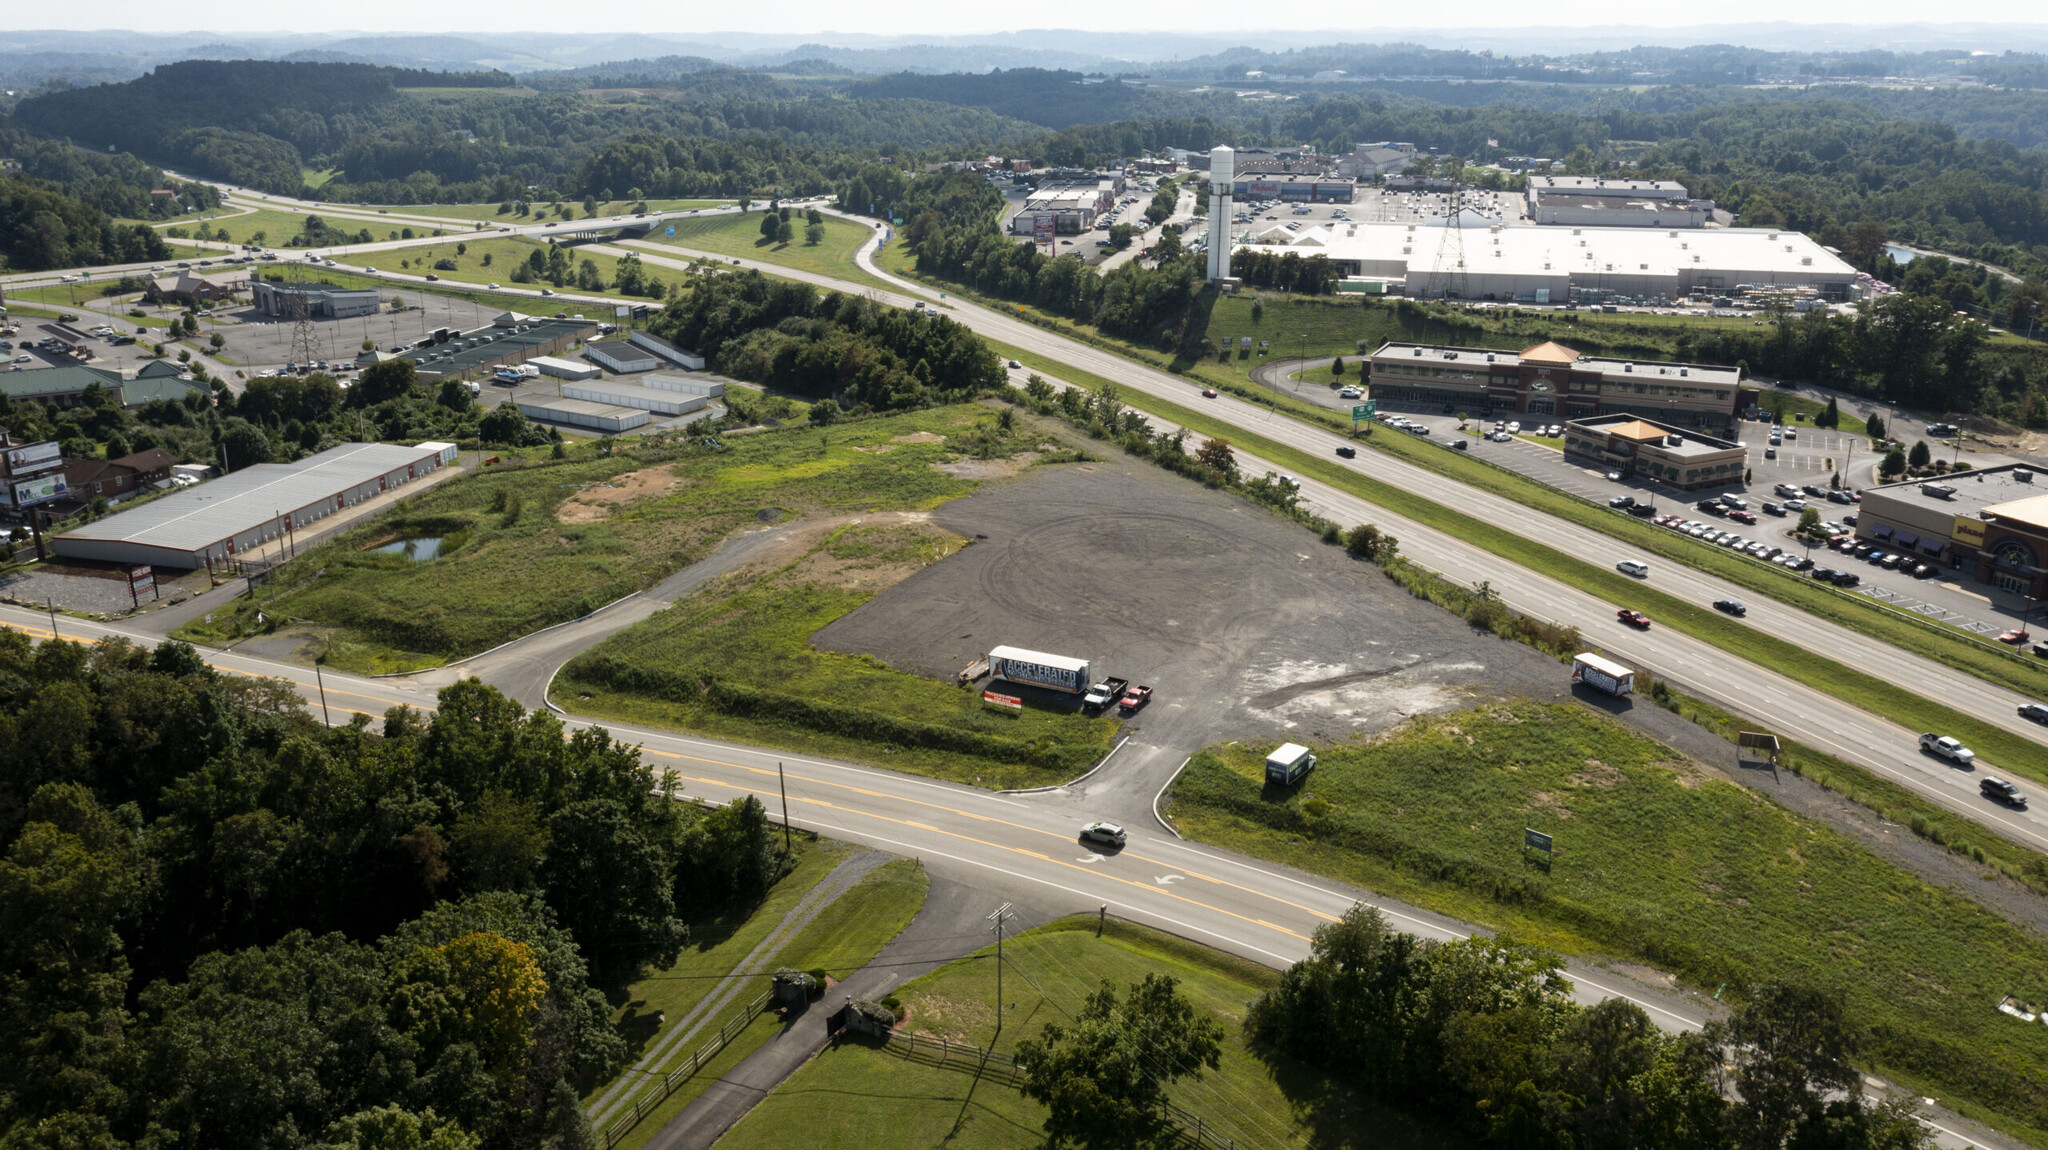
(787, 847)
(52, 605)
(1002, 914)
(323, 689)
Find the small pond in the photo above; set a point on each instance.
(417, 550)
(1901, 255)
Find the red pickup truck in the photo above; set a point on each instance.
(1633, 618)
(1133, 699)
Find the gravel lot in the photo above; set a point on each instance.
(1248, 626)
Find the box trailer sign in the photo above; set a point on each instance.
(1021, 671)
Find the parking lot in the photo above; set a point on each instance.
(1979, 610)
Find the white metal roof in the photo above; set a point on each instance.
(197, 517)
(1575, 251)
(1606, 666)
(1287, 753)
(1063, 662)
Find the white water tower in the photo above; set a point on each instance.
(1222, 175)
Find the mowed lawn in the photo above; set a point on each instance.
(466, 214)
(740, 235)
(858, 1095)
(504, 253)
(1657, 862)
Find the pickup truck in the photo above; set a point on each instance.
(1133, 699)
(1948, 748)
(1103, 694)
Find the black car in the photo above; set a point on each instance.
(1816, 490)
(1994, 787)
(1824, 573)
(1730, 607)
(2034, 712)
(1847, 579)
(1457, 445)
(1348, 452)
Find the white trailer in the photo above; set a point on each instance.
(1286, 765)
(1040, 669)
(1603, 674)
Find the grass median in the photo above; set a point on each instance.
(740, 235)
(1859, 688)
(1656, 861)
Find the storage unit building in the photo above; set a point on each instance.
(564, 368)
(237, 513)
(605, 417)
(620, 356)
(680, 357)
(659, 401)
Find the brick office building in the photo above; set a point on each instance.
(1553, 380)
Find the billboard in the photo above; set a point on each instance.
(42, 489)
(33, 455)
(1042, 228)
(1040, 674)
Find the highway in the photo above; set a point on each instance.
(1026, 843)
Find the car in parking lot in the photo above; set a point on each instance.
(1349, 393)
(1633, 567)
(1730, 607)
(1815, 490)
(1622, 501)
(2014, 637)
(1108, 834)
(1840, 497)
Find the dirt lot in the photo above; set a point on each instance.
(1246, 625)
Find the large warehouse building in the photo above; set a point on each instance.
(213, 523)
(1551, 379)
(1481, 259)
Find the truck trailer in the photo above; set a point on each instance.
(1287, 765)
(1039, 669)
(1602, 674)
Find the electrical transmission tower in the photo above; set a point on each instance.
(305, 338)
(1447, 276)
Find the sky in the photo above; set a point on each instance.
(949, 17)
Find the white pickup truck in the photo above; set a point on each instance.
(1951, 749)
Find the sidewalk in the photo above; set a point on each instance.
(949, 925)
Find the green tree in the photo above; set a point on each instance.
(1874, 426)
(824, 412)
(609, 884)
(1832, 417)
(454, 395)
(1104, 1077)
(245, 444)
(1894, 463)
(1789, 1049)
(1337, 368)
(1809, 521)
(814, 234)
(1362, 541)
(1215, 455)
(1919, 456)
(392, 379)
(784, 230)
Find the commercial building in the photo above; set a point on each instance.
(1292, 189)
(117, 479)
(620, 356)
(1590, 201)
(31, 474)
(659, 394)
(1676, 456)
(213, 523)
(1468, 256)
(63, 386)
(1988, 525)
(188, 286)
(1551, 379)
(1367, 161)
(511, 339)
(1063, 208)
(607, 417)
(680, 357)
(321, 300)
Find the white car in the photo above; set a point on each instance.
(1631, 567)
(494, 287)
(1349, 393)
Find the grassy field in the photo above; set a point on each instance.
(526, 556)
(504, 253)
(858, 1095)
(1815, 670)
(841, 939)
(1657, 862)
(740, 235)
(469, 213)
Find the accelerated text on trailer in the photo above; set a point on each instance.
(1059, 672)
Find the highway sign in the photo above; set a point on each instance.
(1536, 839)
(1363, 411)
(671, 231)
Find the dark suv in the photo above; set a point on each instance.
(2001, 790)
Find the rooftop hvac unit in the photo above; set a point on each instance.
(1489, 357)
(1774, 237)
(1674, 235)
(1684, 371)
(2022, 475)
(1418, 353)
(1937, 490)
(1674, 441)
(1577, 232)
(1628, 367)
(1806, 261)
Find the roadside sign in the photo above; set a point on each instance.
(1363, 411)
(671, 231)
(1536, 839)
(1006, 702)
(141, 579)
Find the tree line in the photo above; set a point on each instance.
(225, 924)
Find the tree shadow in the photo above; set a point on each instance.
(1340, 1117)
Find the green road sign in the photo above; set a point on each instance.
(1362, 411)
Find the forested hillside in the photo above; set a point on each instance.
(223, 924)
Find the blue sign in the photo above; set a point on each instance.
(671, 230)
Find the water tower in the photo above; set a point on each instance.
(1222, 174)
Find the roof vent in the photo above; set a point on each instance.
(1418, 353)
(1628, 367)
(1684, 371)
(1489, 357)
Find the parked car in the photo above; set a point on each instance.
(2016, 637)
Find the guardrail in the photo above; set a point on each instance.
(671, 1079)
(952, 1055)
